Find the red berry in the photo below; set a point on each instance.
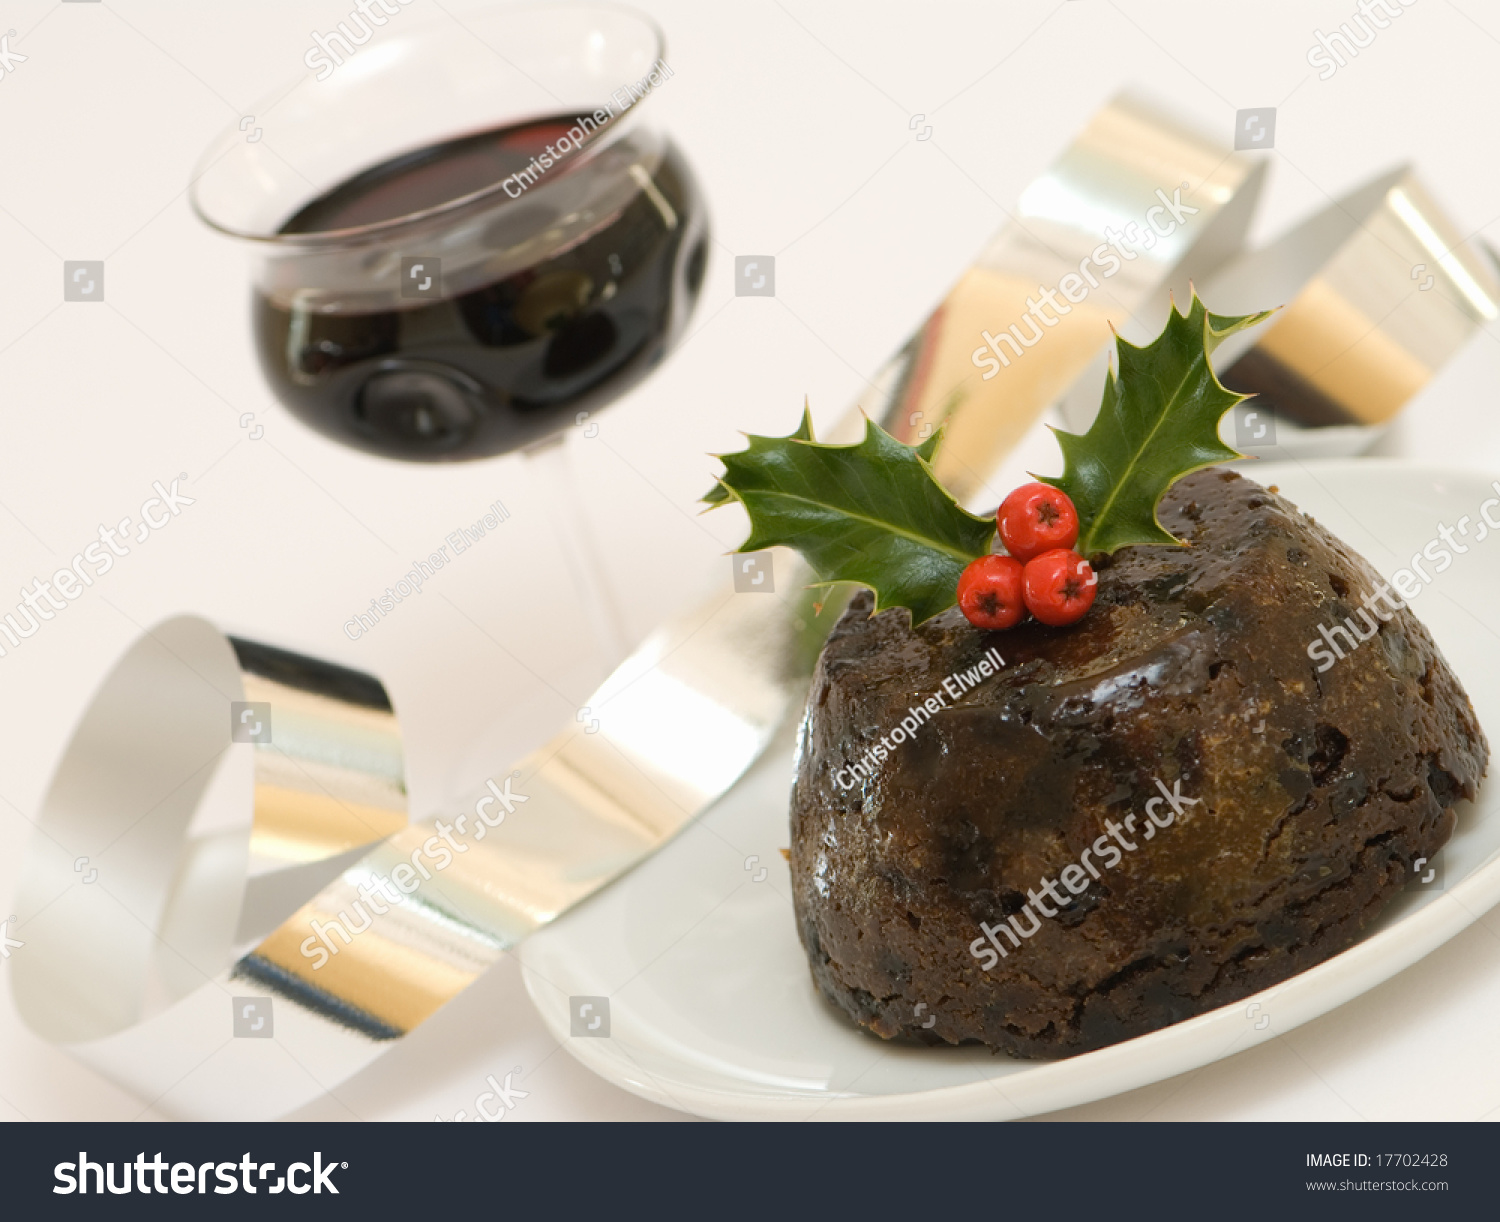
(989, 592)
(1037, 518)
(1058, 587)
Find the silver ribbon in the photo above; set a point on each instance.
(1381, 291)
(149, 868)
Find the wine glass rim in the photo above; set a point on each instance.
(376, 230)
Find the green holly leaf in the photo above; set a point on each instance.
(1159, 421)
(871, 513)
(718, 494)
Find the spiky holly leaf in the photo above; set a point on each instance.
(718, 494)
(871, 513)
(1159, 421)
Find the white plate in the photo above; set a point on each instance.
(711, 1007)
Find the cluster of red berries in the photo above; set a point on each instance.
(1042, 574)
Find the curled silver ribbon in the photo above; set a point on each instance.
(151, 866)
(1381, 291)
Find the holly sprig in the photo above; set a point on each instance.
(874, 512)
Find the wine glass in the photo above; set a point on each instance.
(467, 238)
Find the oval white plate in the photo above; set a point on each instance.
(710, 1005)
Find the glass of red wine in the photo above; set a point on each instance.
(467, 237)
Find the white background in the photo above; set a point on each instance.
(798, 121)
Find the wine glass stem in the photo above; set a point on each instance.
(552, 465)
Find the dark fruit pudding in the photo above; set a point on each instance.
(1154, 812)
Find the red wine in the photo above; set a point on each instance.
(511, 357)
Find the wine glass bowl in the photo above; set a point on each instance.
(468, 235)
